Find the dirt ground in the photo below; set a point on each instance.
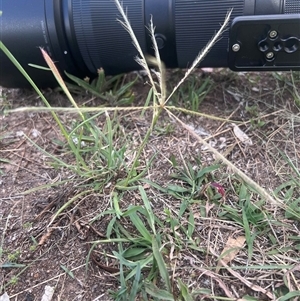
(34, 255)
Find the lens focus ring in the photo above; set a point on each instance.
(103, 42)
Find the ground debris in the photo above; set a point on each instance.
(49, 291)
(4, 297)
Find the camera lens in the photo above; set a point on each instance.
(83, 36)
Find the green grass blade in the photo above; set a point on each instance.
(154, 185)
(110, 226)
(184, 291)
(178, 189)
(37, 90)
(248, 236)
(118, 211)
(147, 102)
(207, 170)
(143, 264)
(55, 158)
(140, 226)
(100, 81)
(148, 208)
(124, 88)
(85, 85)
(124, 261)
(289, 296)
(11, 265)
(160, 294)
(249, 298)
(39, 67)
(134, 252)
(135, 284)
(191, 225)
(70, 273)
(161, 264)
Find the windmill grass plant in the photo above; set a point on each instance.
(147, 249)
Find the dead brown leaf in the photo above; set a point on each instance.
(230, 250)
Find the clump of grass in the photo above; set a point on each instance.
(113, 90)
(97, 158)
(192, 93)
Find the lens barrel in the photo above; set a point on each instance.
(83, 36)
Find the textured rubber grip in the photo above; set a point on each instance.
(292, 7)
(103, 42)
(196, 22)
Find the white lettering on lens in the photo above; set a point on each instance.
(45, 37)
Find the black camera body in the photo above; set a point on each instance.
(83, 36)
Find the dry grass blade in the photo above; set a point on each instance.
(161, 74)
(59, 79)
(76, 110)
(220, 282)
(142, 61)
(252, 286)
